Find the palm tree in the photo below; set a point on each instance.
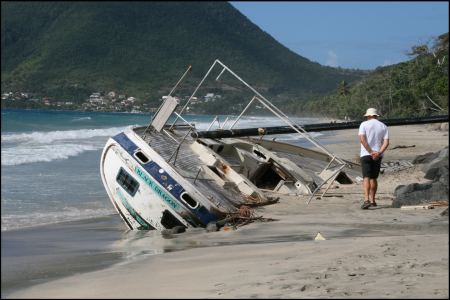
(343, 88)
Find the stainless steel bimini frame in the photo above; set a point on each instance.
(267, 104)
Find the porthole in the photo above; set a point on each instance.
(189, 201)
(141, 157)
(259, 154)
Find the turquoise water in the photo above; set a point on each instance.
(50, 162)
(50, 165)
(50, 174)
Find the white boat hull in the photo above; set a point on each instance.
(149, 195)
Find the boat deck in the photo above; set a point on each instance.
(172, 150)
(187, 163)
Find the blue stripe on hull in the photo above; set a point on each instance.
(165, 180)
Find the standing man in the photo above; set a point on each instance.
(374, 138)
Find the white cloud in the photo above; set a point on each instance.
(386, 62)
(332, 59)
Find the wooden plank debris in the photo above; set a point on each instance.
(415, 207)
(439, 203)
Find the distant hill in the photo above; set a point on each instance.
(418, 87)
(71, 49)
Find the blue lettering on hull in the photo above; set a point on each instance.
(171, 202)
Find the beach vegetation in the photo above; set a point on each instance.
(415, 88)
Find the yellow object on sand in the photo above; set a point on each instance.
(319, 237)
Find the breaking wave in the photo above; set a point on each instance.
(16, 221)
(47, 146)
(81, 119)
(42, 137)
(23, 148)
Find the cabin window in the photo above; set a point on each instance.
(188, 199)
(266, 177)
(169, 221)
(141, 156)
(343, 178)
(127, 182)
(259, 154)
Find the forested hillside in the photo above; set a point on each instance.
(70, 49)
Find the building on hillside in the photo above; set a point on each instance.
(6, 95)
(194, 100)
(211, 97)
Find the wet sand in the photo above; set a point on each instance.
(382, 252)
(39, 254)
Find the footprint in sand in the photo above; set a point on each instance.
(389, 251)
(366, 256)
(412, 266)
(306, 287)
(432, 264)
(287, 287)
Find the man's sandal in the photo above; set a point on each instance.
(365, 205)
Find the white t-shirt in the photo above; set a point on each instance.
(375, 132)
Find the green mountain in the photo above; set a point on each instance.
(418, 87)
(68, 50)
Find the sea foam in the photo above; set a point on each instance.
(45, 137)
(16, 221)
(47, 146)
(23, 148)
(81, 119)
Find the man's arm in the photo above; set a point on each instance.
(363, 140)
(384, 146)
(376, 155)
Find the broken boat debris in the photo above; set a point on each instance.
(167, 175)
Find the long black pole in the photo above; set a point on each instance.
(315, 127)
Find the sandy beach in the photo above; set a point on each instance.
(382, 252)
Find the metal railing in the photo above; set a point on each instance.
(268, 105)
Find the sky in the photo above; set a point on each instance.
(356, 35)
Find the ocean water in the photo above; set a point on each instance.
(50, 162)
(56, 217)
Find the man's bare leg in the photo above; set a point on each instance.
(366, 188)
(373, 189)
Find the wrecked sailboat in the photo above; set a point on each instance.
(163, 175)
